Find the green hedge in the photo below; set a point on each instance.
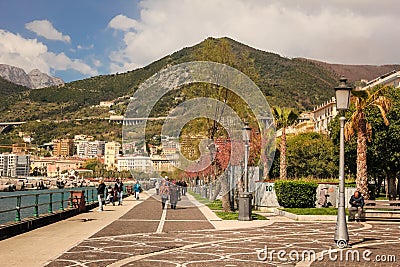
(296, 194)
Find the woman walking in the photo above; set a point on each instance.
(164, 192)
(174, 195)
(119, 190)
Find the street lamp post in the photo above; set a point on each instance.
(342, 104)
(245, 197)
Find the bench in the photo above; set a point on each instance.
(381, 210)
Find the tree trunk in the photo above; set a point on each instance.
(392, 189)
(362, 179)
(379, 185)
(226, 203)
(217, 190)
(398, 186)
(282, 165)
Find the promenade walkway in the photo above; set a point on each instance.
(140, 233)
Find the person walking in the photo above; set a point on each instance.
(137, 188)
(100, 194)
(119, 190)
(179, 185)
(174, 194)
(110, 195)
(184, 188)
(157, 184)
(164, 192)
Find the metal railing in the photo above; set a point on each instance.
(36, 204)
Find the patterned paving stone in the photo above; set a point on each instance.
(186, 243)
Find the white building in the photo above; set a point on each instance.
(323, 115)
(391, 78)
(137, 163)
(12, 165)
(89, 149)
(111, 153)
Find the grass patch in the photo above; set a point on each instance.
(199, 198)
(234, 215)
(382, 198)
(312, 211)
(215, 205)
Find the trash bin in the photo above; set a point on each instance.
(77, 200)
(372, 190)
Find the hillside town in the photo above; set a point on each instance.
(67, 157)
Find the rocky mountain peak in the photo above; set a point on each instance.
(40, 80)
(34, 79)
(15, 75)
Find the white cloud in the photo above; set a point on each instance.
(31, 54)
(339, 31)
(81, 47)
(123, 23)
(45, 29)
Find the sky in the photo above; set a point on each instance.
(76, 39)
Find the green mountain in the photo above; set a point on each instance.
(297, 83)
(10, 92)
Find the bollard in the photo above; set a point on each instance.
(18, 212)
(62, 201)
(36, 213)
(50, 210)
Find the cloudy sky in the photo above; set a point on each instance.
(75, 39)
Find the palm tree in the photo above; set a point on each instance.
(283, 118)
(358, 124)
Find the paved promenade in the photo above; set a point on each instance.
(140, 233)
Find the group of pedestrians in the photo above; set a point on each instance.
(111, 194)
(170, 190)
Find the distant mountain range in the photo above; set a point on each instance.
(287, 82)
(34, 79)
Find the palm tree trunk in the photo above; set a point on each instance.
(282, 165)
(362, 178)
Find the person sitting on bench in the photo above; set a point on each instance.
(357, 204)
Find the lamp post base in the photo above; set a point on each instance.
(245, 206)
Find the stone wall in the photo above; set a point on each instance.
(264, 195)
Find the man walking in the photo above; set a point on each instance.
(100, 194)
(118, 188)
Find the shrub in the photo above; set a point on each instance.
(296, 194)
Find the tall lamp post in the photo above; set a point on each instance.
(245, 197)
(342, 104)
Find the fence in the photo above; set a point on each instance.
(35, 204)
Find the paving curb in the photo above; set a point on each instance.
(313, 218)
(207, 212)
